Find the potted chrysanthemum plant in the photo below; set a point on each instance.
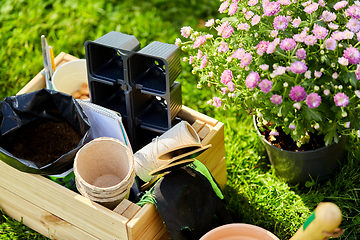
(293, 64)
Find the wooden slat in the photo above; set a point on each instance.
(191, 115)
(205, 131)
(146, 224)
(127, 209)
(64, 203)
(198, 125)
(39, 219)
(219, 173)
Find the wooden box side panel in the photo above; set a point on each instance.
(64, 203)
(38, 219)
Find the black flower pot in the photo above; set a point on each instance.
(301, 166)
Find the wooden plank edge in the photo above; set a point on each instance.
(38, 219)
(220, 174)
(191, 115)
(64, 203)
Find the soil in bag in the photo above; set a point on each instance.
(42, 141)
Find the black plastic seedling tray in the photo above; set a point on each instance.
(138, 83)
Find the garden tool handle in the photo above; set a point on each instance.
(322, 223)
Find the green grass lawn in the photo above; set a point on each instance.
(253, 194)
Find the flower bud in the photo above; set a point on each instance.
(316, 88)
(322, 52)
(286, 119)
(298, 144)
(316, 126)
(193, 72)
(344, 114)
(285, 84)
(199, 86)
(279, 114)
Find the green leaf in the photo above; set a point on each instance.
(230, 19)
(312, 114)
(331, 136)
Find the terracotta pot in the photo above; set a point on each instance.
(239, 231)
(302, 166)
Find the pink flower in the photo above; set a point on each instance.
(221, 28)
(261, 47)
(297, 106)
(296, 22)
(357, 93)
(322, 3)
(313, 100)
(297, 93)
(271, 48)
(199, 41)
(348, 34)
(223, 6)
(274, 33)
(347, 125)
(276, 99)
(352, 54)
(343, 61)
(233, 8)
(284, 2)
(271, 8)
(338, 36)
(199, 54)
(310, 40)
(357, 72)
(333, 26)
(252, 2)
(292, 126)
(227, 32)
(224, 47)
(317, 74)
(217, 102)
(231, 86)
(341, 100)
(238, 53)
(249, 15)
(186, 31)
(358, 36)
(301, 53)
(191, 59)
(210, 23)
(326, 92)
(340, 5)
(320, 32)
(280, 70)
(226, 76)
(252, 80)
(280, 22)
(265, 85)
(246, 59)
(203, 62)
(255, 20)
(328, 16)
(311, 8)
(243, 26)
(264, 67)
(274, 132)
(330, 44)
(353, 11)
(298, 67)
(353, 25)
(224, 90)
(287, 44)
(335, 75)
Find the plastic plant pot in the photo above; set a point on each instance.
(240, 231)
(107, 56)
(154, 68)
(302, 166)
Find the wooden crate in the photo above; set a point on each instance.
(59, 213)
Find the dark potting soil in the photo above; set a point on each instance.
(41, 141)
(284, 141)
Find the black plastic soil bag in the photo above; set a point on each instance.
(44, 104)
